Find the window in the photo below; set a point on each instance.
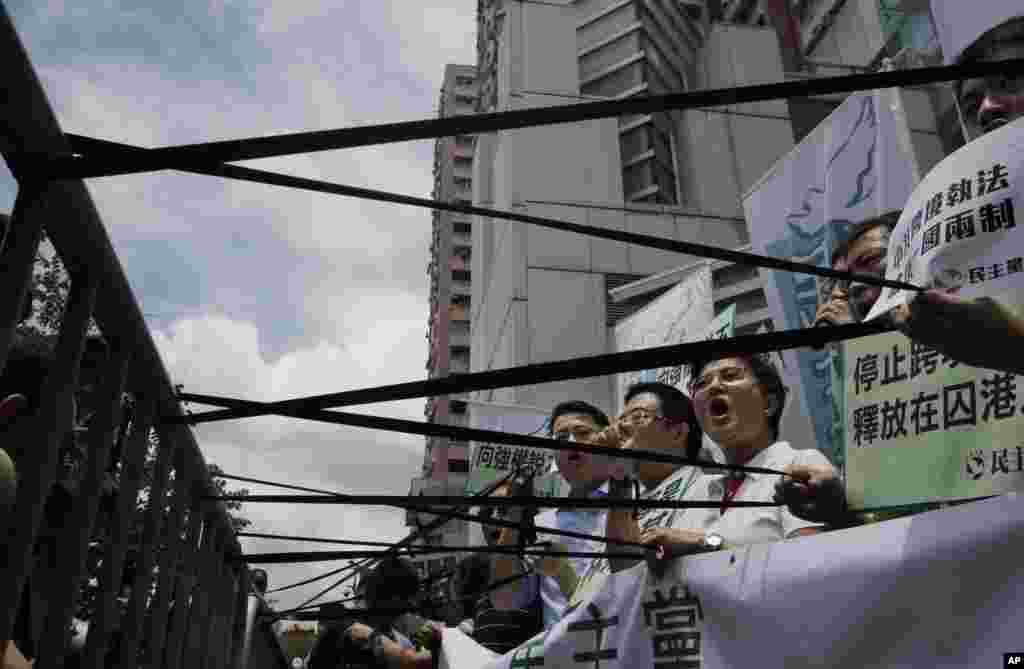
(461, 228)
(464, 81)
(460, 275)
(458, 466)
(457, 406)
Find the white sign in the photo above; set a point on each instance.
(940, 589)
(857, 164)
(681, 315)
(959, 230)
(489, 462)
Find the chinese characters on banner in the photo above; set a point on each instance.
(856, 165)
(959, 230)
(921, 427)
(489, 462)
(811, 602)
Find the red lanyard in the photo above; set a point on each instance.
(732, 487)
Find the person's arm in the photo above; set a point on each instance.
(12, 657)
(621, 526)
(979, 332)
(388, 652)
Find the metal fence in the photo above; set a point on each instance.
(189, 590)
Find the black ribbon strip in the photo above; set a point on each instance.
(472, 434)
(342, 542)
(547, 372)
(307, 581)
(92, 146)
(427, 504)
(326, 556)
(211, 153)
(412, 536)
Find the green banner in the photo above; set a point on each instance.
(922, 428)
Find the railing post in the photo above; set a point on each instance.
(239, 647)
(170, 560)
(17, 260)
(225, 661)
(133, 623)
(98, 641)
(74, 545)
(185, 578)
(207, 576)
(43, 434)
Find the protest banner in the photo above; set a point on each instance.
(489, 462)
(921, 427)
(924, 428)
(683, 314)
(938, 589)
(959, 231)
(857, 164)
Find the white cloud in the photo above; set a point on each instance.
(216, 356)
(359, 298)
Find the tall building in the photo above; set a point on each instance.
(540, 295)
(446, 464)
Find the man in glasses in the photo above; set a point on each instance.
(954, 325)
(659, 418)
(555, 579)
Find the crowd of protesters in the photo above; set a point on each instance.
(737, 402)
(503, 600)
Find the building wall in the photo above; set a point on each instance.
(450, 276)
(540, 295)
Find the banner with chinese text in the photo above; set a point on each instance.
(939, 589)
(489, 462)
(857, 164)
(683, 314)
(923, 428)
(959, 229)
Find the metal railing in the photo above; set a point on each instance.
(188, 599)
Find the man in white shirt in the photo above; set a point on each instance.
(738, 403)
(555, 579)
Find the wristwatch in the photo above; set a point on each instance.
(713, 542)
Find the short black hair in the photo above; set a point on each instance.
(577, 408)
(393, 578)
(1011, 30)
(887, 220)
(766, 374)
(676, 407)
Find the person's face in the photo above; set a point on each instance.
(989, 103)
(644, 427)
(732, 407)
(867, 255)
(835, 308)
(579, 468)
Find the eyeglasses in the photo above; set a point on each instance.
(726, 375)
(639, 416)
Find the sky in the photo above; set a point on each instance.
(254, 291)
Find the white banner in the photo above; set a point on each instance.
(937, 590)
(857, 164)
(489, 462)
(959, 229)
(683, 314)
